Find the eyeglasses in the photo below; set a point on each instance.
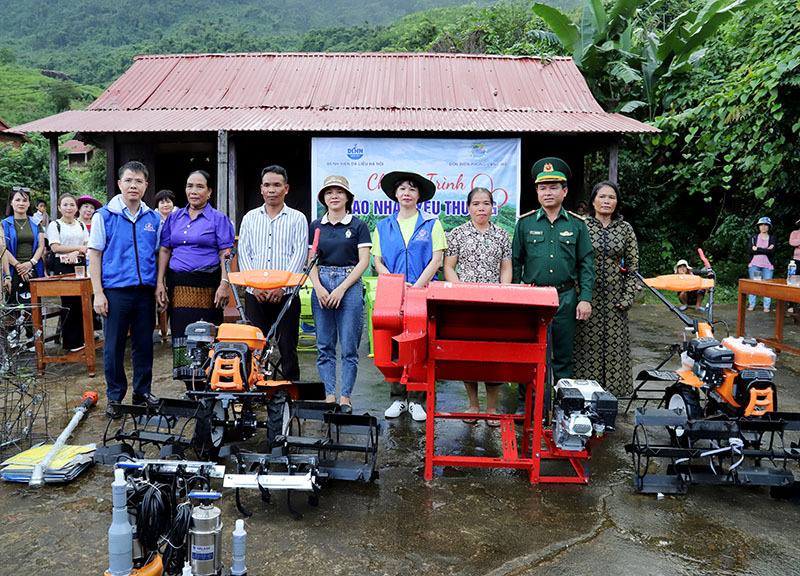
(137, 181)
(24, 189)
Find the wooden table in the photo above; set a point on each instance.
(65, 285)
(777, 289)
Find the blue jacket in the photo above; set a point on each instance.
(129, 256)
(10, 232)
(412, 260)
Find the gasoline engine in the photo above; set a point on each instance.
(582, 409)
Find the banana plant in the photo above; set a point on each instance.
(615, 49)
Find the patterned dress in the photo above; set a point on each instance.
(602, 343)
(479, 253)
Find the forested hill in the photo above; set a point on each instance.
(95, 40)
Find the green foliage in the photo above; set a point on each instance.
(29, 166)
(623, 54)
(95, 41)
(730, 133)
(25, 94)
(503, 28)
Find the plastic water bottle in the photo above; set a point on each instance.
(791, 274)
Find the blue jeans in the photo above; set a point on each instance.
(343, 323)
(766, 274)
(129, 309)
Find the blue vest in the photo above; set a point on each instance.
(129, 257)
(10, 233)
(412, 260)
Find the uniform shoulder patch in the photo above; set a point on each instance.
(578, 216)
(521, 216)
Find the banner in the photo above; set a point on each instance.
(455, 166)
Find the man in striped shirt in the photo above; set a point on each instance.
(275, 237)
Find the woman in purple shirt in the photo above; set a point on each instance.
(191, 263)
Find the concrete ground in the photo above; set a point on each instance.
(465, 521)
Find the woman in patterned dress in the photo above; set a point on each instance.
(602, 343)
(482, 252)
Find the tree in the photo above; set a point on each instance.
(620, 53)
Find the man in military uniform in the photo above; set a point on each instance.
(551, 247)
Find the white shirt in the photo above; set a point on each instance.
(74, 234)
(279, 243)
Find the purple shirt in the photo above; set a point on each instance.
(196, 243)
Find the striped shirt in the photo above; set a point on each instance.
(279, 243)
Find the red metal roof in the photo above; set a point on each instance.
(76, 147)
(344, 92)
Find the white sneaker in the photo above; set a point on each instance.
(417, 412)
(397, 408)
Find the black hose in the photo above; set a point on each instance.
(174, 545)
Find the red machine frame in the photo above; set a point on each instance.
(425, 334)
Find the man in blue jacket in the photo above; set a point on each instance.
(122, 266)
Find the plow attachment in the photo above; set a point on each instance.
(670, 452)
(346, 449)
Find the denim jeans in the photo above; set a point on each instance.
(344, 323)
(766, 274)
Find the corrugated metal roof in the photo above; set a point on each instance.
(344, 92)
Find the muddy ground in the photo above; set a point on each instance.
(465, 521)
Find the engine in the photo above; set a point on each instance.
(582, 408)
(200, 337)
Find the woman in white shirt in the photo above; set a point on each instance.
(68, 238)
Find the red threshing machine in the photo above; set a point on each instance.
(487, 332)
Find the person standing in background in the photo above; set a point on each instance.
(409, 242)
(762, 263)
(275, 237)
(479, 251)
(602, 342)
(551, 247)
(337, 301)
(192, 278)
(68, 238)
(122, 264)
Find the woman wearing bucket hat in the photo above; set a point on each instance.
(337, 300)
(409, 242)
(762, 262)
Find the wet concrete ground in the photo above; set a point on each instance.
(465, 521)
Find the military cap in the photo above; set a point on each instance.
(551, 169)
(426, 188)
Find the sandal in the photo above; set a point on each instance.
(471, 420)
(493, 423)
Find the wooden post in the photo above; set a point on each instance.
(613, 162)
(223, 201)
(53, 175)
(111, 166)
(233, 204)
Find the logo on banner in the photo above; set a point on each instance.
(478, 150)
(355, 152)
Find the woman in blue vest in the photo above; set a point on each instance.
(25, 243)
(409, 242)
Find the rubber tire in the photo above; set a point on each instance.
(278, 415)
(201, 438)
(686, 398)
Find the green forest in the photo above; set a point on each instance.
(719, 78)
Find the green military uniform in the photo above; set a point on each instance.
(558, 254)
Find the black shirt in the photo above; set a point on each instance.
(339, 243)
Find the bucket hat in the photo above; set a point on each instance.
(426, 188)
